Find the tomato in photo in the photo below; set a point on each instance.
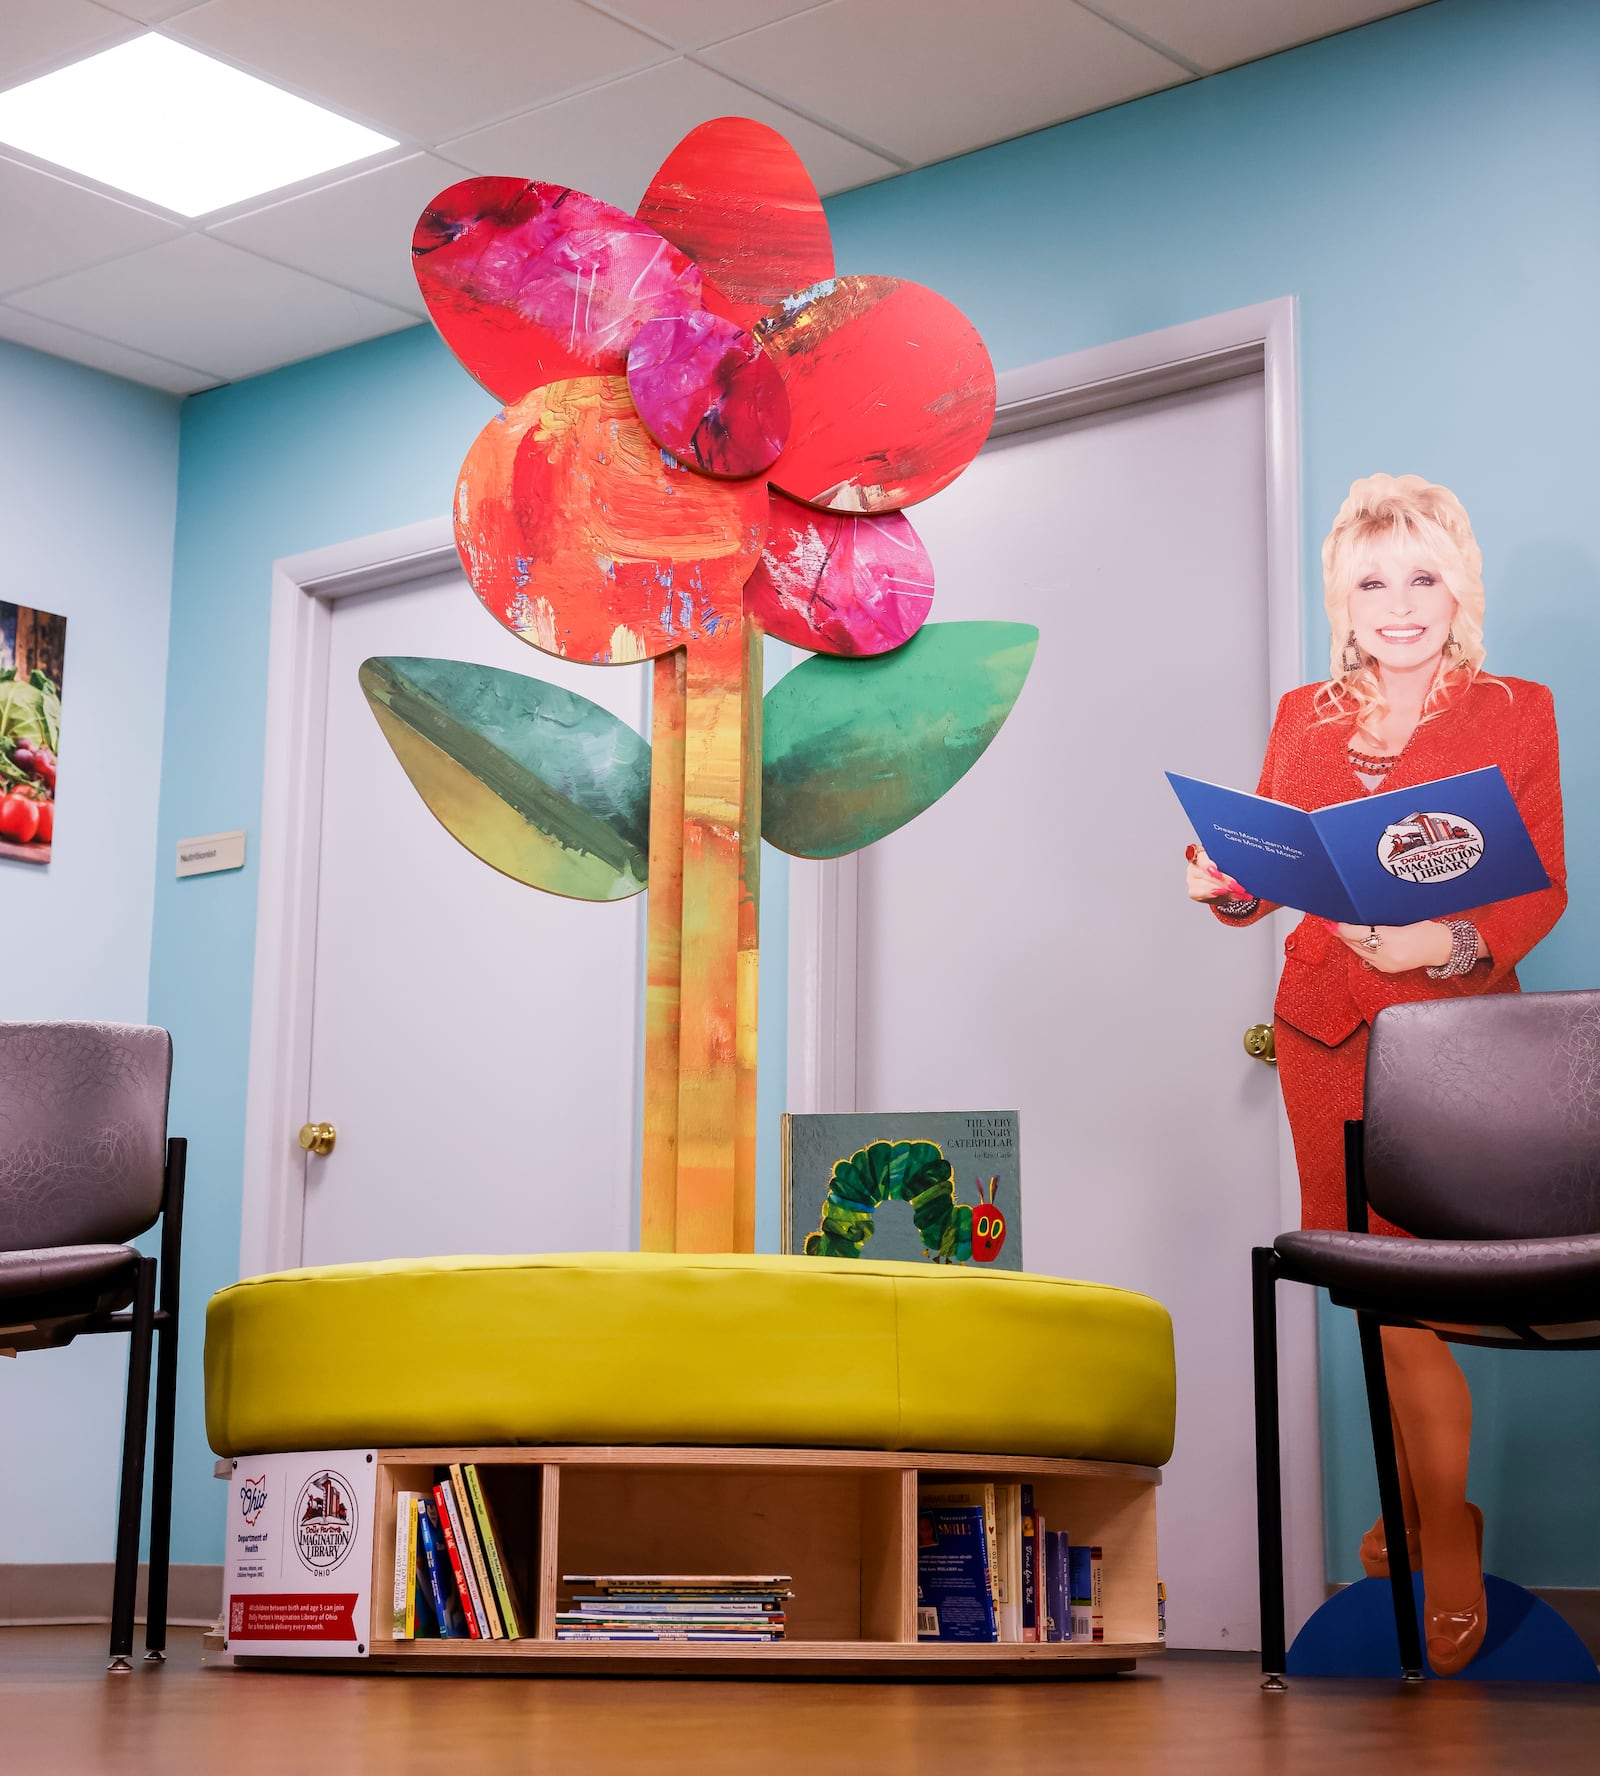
(19, 818)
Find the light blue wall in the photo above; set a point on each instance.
(1426, 186)
(88, 488)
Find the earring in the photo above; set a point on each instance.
(1451, 645)
(1352, 660)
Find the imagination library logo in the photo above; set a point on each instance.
(324, 1521)
(1430, 847)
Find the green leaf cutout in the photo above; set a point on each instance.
(854, 748)
(546, 786)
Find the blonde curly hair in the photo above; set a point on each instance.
(1399, 506)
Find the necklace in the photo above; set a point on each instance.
(1371, 767)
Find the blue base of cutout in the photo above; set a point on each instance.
(1353, 1635)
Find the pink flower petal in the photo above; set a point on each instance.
(531, 284)
(708, 393)
(838, 584)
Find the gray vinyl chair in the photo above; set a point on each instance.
(85, 1167)
(1481, 1136)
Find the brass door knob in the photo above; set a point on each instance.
(318, 1137)
(1258, 1043)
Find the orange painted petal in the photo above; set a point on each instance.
(890, 389)
(532, 284)
(589, 542)
(738, 200)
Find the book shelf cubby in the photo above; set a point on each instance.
(842, 1522)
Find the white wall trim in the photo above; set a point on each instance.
(304, 588)
(1262, 339)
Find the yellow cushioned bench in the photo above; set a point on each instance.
(635, 1347)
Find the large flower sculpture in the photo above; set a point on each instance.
(707, 436)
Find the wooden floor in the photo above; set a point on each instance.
(61, 1715)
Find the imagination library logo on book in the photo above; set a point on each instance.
(1430, 847)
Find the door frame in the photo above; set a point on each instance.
(823, 896)
(305, 589)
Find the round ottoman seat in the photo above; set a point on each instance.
(726, 1350)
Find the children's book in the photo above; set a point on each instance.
(849, 1181)
(954, 1600)
(1060, 1611)
(405, 1566)
(1394, 858)
(1030, 1567)
(975, 1495)
(441, 1586)
(460, 1562)
(1084, 1594)
(505, 1591)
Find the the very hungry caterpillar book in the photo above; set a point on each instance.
(935, 1186)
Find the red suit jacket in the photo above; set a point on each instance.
(1327, 991)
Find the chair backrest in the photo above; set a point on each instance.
(1483, 1116)
(83, 1132)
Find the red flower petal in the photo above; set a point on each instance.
(708, 393)
(530, 284)
(837, 584)
(583, 538)
(737, 199)
(891, 390)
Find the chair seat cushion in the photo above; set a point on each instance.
(1543, 1283)
(734, 1350)
(55, 1270)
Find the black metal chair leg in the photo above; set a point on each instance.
(155, 1632)
(155, 1615)
(1269, 1479)
(130, 1504)
(1394, 1517)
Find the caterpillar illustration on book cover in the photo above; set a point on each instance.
(939, 1187)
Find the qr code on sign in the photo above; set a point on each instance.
(927, 1621)
(236, 1616)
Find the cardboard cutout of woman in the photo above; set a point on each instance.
(1407, 701)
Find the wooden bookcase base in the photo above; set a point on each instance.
(843, 1522)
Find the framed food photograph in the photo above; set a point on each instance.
(33, 645)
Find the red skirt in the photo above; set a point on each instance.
(1322, 1089)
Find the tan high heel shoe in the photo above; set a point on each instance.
(1375, 1551)
(1454, 1636)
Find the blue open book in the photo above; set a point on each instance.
(1390, 859)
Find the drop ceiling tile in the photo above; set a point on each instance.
(100, 354)
(926, 79)
(424, 68)
(36, 35)
(53, 226)
(610, 141)
(356, 233)
(218, 308)
(1223, 36)
(691, 23)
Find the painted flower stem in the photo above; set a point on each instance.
(698, 1191)
(658, 1199)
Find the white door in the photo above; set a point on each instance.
(474, 1041)
(1027, 942)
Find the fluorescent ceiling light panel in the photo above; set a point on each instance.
(177, 128)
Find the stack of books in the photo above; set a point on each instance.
(451, 1577)
(990, 1568)
(674, 1606)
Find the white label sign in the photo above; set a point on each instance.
(299, 1570)
(216, 851)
